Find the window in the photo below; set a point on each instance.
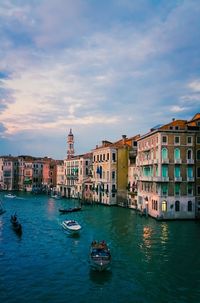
(164, 171)
(190, 172)
(198, 190)
(177, 140)
(164, 189)
(177, 171)
(177, 153)
(189, 154)
(113, 157)
(198, 154)
(107, 156)
(189, 189)
(164, 153)
(189, 140)
(164, 205)
(177, 206)
(164, 139)
(198, 172)
(189, 205)
(177, 189)
(198, 139)
(113, 174)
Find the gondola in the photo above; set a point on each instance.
(69, 210)
(17, 227)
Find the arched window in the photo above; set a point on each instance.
(164, 153)
(164, 205)
(189, 205)
(189, 154)
(198, 154)
(177, 206)
(177, 153)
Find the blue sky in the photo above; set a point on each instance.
(102, 68)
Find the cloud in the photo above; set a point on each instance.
(195, 85)
(177, 109)
(89, 64)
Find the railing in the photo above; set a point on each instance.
(190, 179)
(165, 161)
(177, 179)
(178, 161)
(161, 179)
(190, 161)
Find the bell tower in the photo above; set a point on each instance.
(70, 143)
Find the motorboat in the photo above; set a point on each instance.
(11, 196)
(100, 256)
(69, 210)
(71, 226)
(17, 227)
(56, 196)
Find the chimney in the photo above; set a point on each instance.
(124, 139)
(173, 119)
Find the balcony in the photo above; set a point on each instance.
(147, 162)
(178, 179)
(161, 179)
(178, 161)
(145, 178)
(165, 161)
(190, 179)
(190, 161)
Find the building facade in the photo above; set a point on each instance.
(167, 182)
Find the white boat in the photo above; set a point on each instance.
(56, 196)
(100, 256)
(71, 226)
(11, 196)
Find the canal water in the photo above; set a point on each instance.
(151, 261)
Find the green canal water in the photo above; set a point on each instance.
(151, 261)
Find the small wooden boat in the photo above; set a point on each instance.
(17, 227)
(72, 226)
(69, 210)
(100, 256)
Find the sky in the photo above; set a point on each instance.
(102, 68)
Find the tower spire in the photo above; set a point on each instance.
(70, 143)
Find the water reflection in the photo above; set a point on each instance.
(51, 206)
(164, 232)
(100, 277)
(146, 246)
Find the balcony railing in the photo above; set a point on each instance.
(190, 179)
(145, 178)
(165, 161)
(177, 179)
(190, 161)
(178, 161)
(161, 179)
